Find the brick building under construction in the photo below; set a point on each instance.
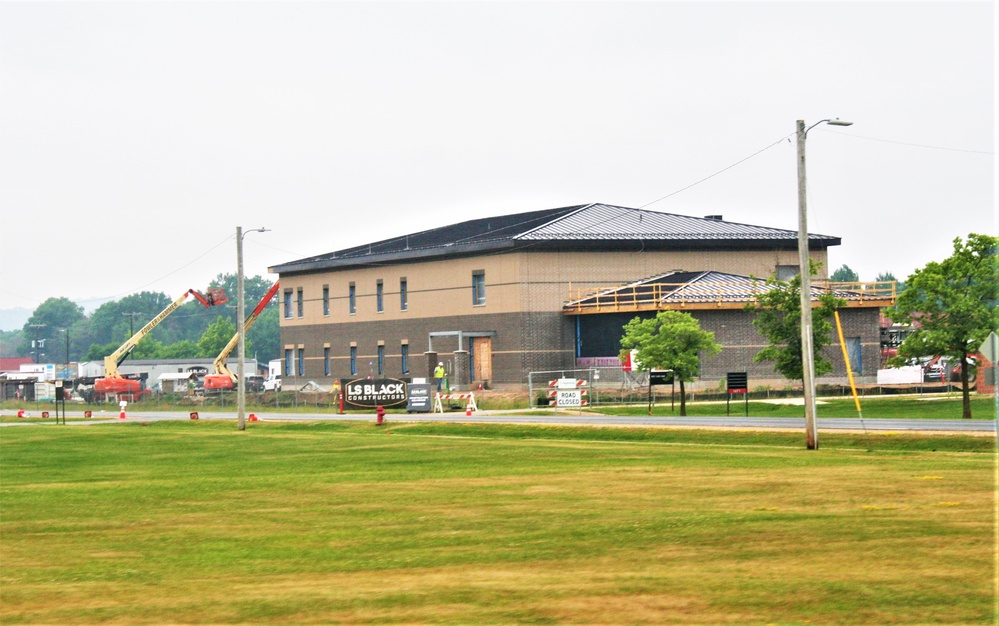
(498, 297)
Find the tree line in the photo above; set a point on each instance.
(59, 331)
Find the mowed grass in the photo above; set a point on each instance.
(195, 522)
(937, 406)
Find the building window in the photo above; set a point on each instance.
(287, 304)
(301, 302)
(380, 296)
(787, 272)
(405, 358)
(326, 299)
(301, 361)
(289, 365)
(326, 361)
(478, 287)
(403, 294)
(381, 360)
(353, 360)
(853, 349)
(352, 300)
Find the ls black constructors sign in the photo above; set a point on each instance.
(372, 392)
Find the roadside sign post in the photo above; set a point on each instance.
(737, 382)
(659, 377)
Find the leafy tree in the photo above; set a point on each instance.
(886, 277)
(951, 305)
(98, 351)
(118, 320)
(11, 343)
(671, 340)
(217, 336)
(48, 323)
(184, 349)
(265, 335)
(845, 275)
(778, 319)
(254, 288)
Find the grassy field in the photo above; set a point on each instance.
(195, 522)
(921, 407)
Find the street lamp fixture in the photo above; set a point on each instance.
(240, 328)
(805, 273)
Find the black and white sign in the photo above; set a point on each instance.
(420, 398)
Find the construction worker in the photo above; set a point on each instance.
(439, 375)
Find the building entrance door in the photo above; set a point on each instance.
(481, 353)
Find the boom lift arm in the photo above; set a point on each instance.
(223, 378)
(113, 382)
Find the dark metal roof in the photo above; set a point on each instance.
(587, 226)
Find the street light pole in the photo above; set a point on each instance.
(240, 329)
(805, 274)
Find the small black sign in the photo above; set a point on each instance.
(738, 382)
(419, 398)
(660, 377)
(372, 392)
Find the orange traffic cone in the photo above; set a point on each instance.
(22, 414)
(468, 410)
(253, 418)
(121, 415)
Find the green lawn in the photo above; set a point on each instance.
(195, 522)
(916, 407)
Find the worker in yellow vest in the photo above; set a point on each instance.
(439, 375)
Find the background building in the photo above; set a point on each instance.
(488, 296)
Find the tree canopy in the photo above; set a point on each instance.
(844, 275)
(672, 340)
(778, 318)
(94, 336)
(951, 306)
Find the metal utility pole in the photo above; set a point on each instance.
(805, 274)
(240, 329)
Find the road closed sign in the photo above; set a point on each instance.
(569, 397)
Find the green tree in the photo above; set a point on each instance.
(48, 323)
(184, 349)
(217, 336)
(671, 340)
(845, 275)
(265, 335)
(888, 277)
(951, 306)
(777, 316)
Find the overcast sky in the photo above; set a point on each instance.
(136, 136)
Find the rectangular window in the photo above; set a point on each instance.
(287, 304)
(853, 349)
(301, 303)
(301, 361)
(381, 360)
(380, 296)
(289, 365)
(352, 300)
(326, 299)
(478, 287)
(787, 272)
(326, 361)
(403, 294)
(353, 360)
(405, 358)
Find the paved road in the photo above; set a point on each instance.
(565, 418)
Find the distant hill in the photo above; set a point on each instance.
(14, 319)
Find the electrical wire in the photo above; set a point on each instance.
(725, 169)
(903, 143)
